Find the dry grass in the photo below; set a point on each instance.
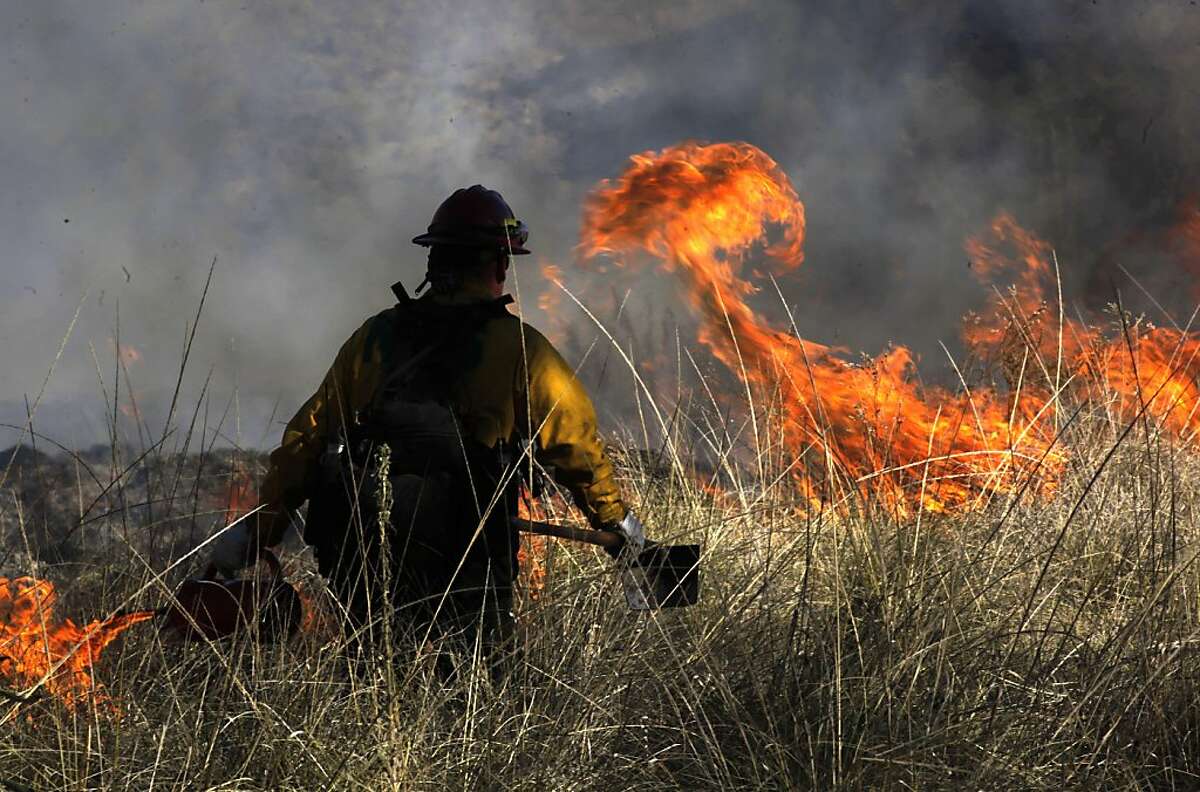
(1032, 644)
(1029, 645)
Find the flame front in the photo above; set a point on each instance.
(36, 650)
(1131, 368)
(699, 210)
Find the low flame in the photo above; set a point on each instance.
(531, 552)
(1133, 367)
(241, 496)
(36, 650)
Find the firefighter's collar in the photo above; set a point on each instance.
(404, 299)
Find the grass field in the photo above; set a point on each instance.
(1035, 642)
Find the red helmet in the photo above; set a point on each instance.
(476, 217)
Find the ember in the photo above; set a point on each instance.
(126, 354)
(36, 650)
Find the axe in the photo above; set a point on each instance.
(660, 576)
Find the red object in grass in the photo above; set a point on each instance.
(206, 608)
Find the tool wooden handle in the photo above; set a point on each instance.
(609, 539)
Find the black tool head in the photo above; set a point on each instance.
(663, 576)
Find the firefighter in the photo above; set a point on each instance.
(411, 452)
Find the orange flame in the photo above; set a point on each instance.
(314, 620)
(1133, 368)
(700, 210)
(37, 651)
(531, 553)
(240, 496)
(550, 301)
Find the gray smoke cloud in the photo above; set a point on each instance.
(303, 145)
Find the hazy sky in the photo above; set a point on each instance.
(303, 144)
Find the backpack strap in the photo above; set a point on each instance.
(401, 293)
(476, 316)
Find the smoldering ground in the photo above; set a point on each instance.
(302, 146)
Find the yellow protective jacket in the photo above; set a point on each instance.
(514, 385)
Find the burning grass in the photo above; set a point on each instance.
(38, 651)
(905, 586)
(699, 211)
(1037, 642)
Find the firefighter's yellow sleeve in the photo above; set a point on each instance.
(556, 411)
(294, 465)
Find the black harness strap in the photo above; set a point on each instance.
(477, 314)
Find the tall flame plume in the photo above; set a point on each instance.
(700, 210)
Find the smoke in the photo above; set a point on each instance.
(303, 145)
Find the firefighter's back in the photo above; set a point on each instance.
(441, 420)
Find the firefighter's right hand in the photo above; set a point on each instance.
(631, 529)
(231, 550)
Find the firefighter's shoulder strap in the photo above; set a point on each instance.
(472, 318)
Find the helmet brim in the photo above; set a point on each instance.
(432, 238)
